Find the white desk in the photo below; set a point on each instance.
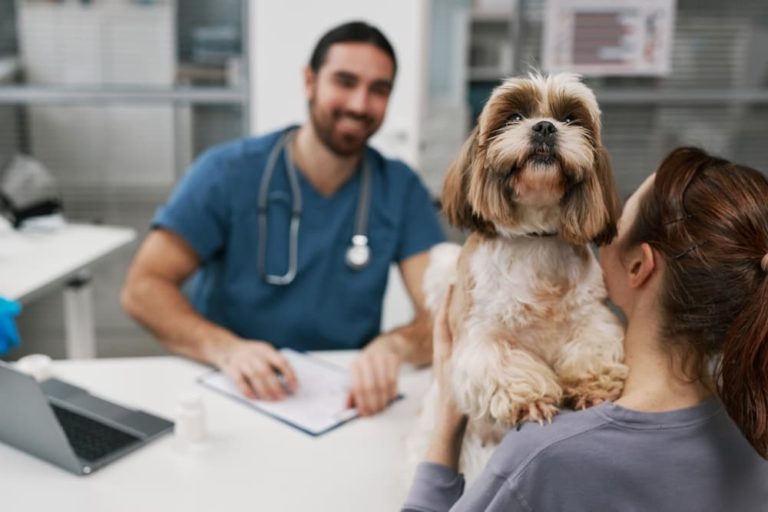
(33, 263)
(249, 462)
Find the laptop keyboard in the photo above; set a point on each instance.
(90, 439)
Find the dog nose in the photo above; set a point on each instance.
(544, 128)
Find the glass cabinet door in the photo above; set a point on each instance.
(116, 98)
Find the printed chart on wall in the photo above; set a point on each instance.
(605, 37)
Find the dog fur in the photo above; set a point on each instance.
(530, 326)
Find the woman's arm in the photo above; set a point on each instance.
(450, 423)
(437, 485)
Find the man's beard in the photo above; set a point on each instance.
(340, 144)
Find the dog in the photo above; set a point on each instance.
(531, 331)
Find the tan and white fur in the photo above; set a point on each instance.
(530, 328)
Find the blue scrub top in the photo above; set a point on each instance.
(328, 305)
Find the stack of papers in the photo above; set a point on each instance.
(318, 405)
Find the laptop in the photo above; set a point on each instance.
(67, 426)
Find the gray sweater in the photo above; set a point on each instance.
(609, 458)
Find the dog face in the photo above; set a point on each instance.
(535, 161)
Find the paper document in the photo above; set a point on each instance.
(317, 406)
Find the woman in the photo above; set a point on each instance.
(689, 268)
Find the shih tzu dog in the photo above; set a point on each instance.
(530, 328)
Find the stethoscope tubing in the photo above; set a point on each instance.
(358, 254)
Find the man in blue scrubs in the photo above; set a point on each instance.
(238, 317)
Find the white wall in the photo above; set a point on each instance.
(282, 36)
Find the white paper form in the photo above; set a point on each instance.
(318, 405)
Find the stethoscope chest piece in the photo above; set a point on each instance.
(358, 254)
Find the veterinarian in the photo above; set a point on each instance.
(689, 268)
(293, 233)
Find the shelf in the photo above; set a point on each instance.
(682, 97)
(85, 193)
(491, 16)
(30, 95)
(487, 74)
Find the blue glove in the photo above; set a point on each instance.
(9, 335)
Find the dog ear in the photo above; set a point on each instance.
(591, 208)
(455, 198)
(604, 172)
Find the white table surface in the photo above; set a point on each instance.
(34, 261)
(248, 461)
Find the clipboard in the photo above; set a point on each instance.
(317, 407)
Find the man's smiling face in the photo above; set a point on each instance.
(348, 95)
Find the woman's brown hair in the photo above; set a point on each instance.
(708, 218)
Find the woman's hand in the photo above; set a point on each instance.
(450, 423)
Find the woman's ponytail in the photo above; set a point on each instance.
(743, 371)
(708, 218)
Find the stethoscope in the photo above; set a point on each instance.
(358, 254)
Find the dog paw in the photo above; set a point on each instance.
(509, 411)
(595, 388)
(585, 401)
(540, 411)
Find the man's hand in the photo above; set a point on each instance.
(374, 377)
(258, 370)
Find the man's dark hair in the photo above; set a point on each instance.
(351, 32)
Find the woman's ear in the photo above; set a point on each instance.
(642, 264)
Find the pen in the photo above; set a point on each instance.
(283, 382)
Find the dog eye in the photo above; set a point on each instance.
(515, 118)
(570, 119)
